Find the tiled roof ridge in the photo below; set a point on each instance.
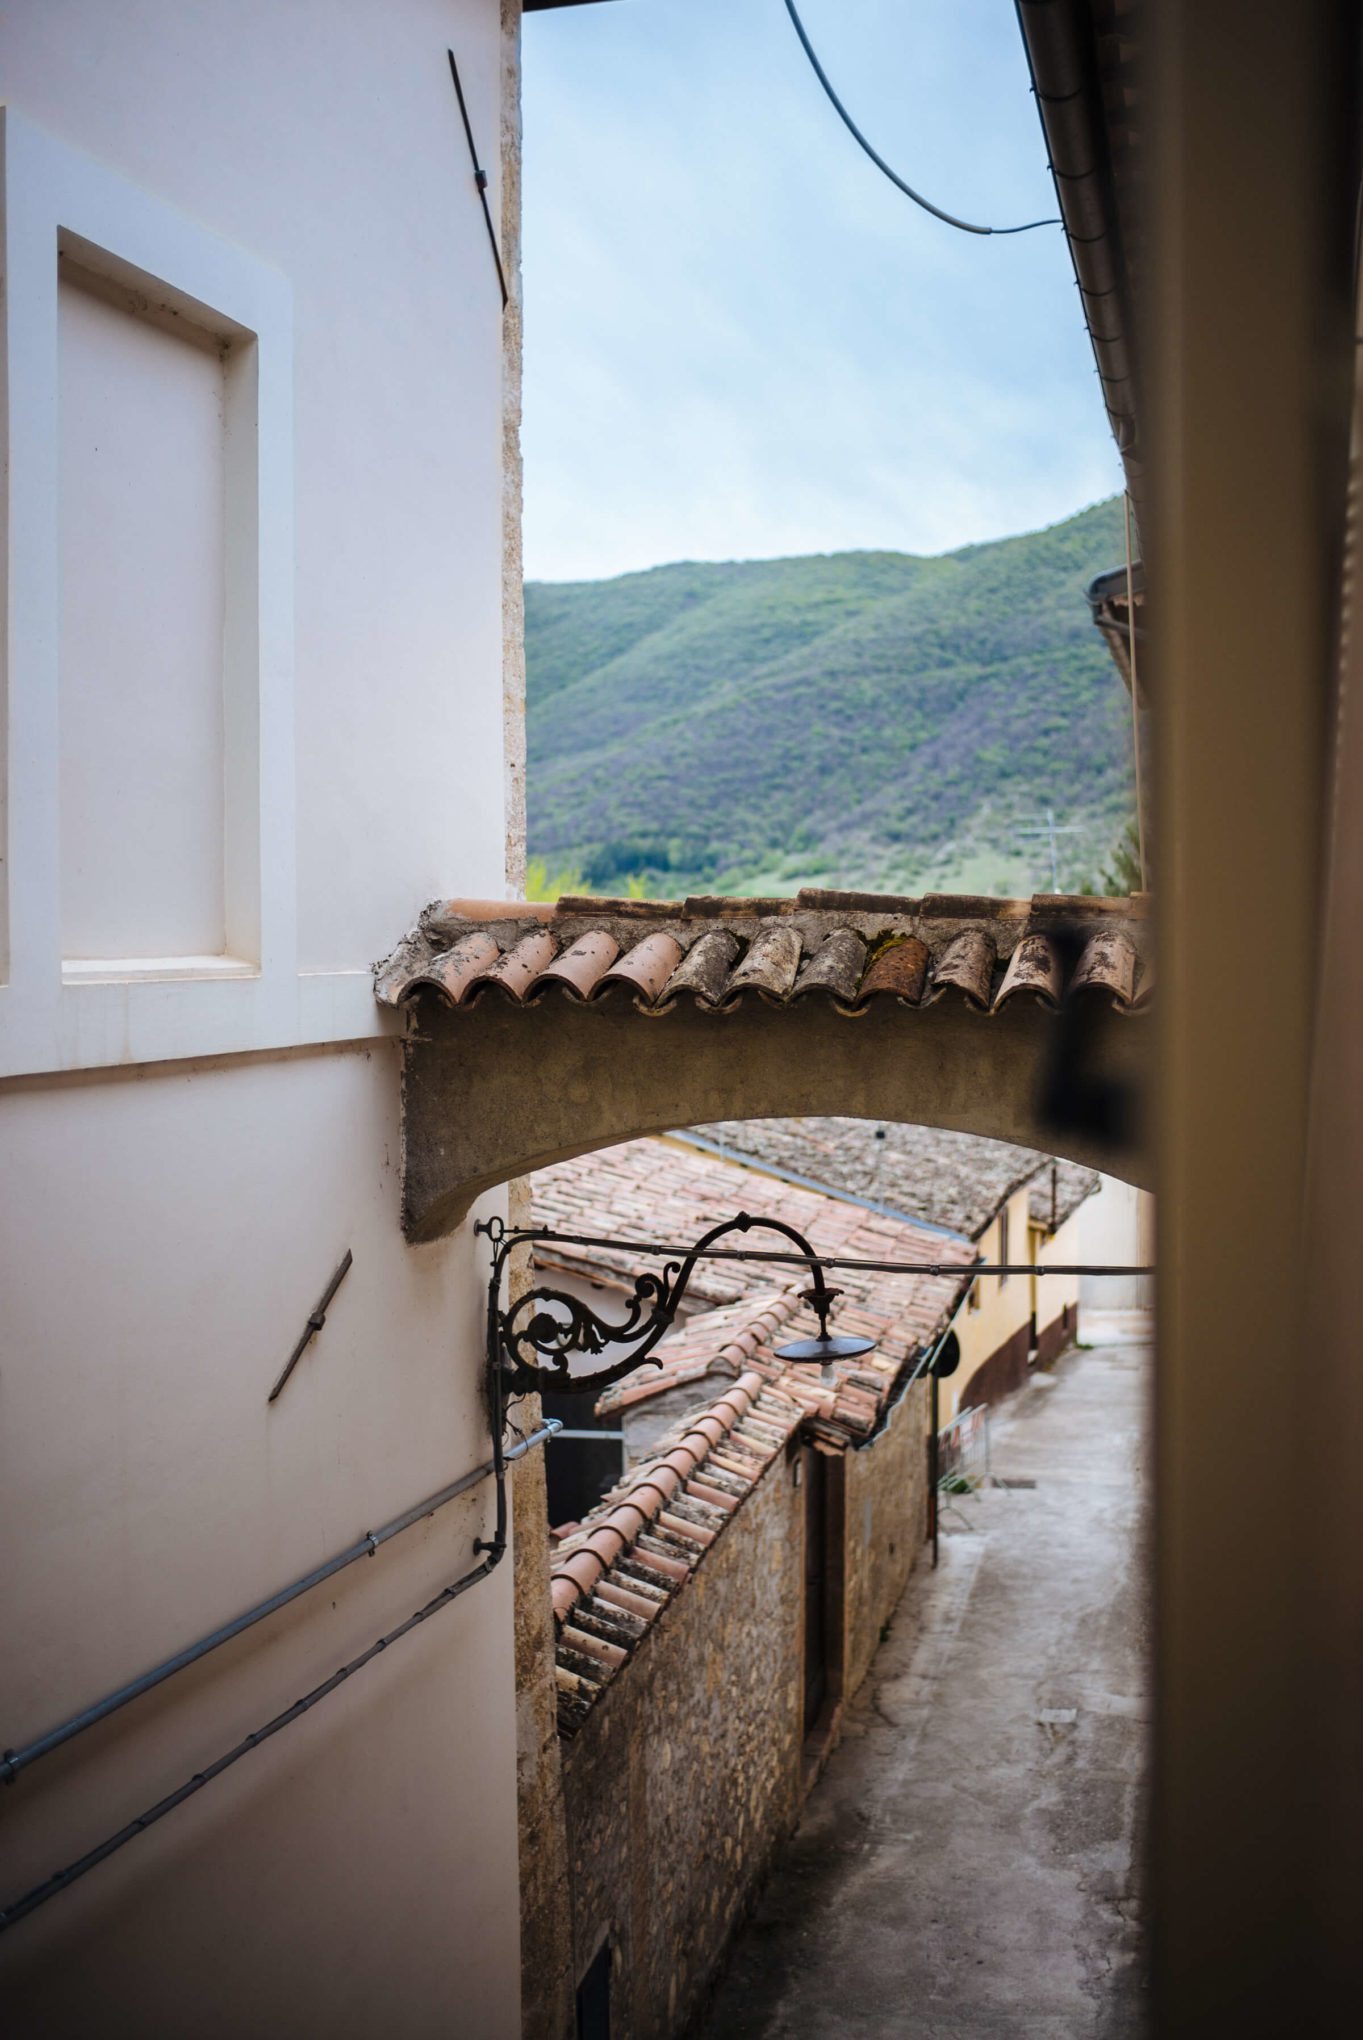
(760, 1166)
(640, 1545)
(608, 1532)
(754, 1319)
(850, 948)
(637, 1548)
(1074, 1186)
(951, 1182)
(686, 1190)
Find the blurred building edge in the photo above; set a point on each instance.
(1210, 153)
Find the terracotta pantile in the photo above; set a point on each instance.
(706, 1491)
(450, 971)
(647, 967)
(835, 967)
(770, 966)
(609, 1654)
(899, 970)
(516, 968)
(719, 950)
(1108, 963)
(563, 1593)
(634, 1603)
(967, 963)
(704, 970)
(681, 1527)
(707, 1430)
(607, 1542)
(580, 968)
(584, 1569)
(1033, 967)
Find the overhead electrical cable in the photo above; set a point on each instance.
(949, 219)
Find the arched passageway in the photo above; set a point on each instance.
(544, 1033)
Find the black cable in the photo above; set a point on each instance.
(479, 176)
(949, 219)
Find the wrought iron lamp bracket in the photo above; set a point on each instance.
(532, 1342)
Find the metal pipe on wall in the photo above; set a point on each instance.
(15, 1761)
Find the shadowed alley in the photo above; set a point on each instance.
(967, 1864)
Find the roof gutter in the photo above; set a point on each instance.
(1062, 53)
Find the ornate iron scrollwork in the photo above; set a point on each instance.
(532, 1343)
(531, 1327)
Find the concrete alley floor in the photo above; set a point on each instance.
(967, 1864)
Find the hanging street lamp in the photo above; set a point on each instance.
(533, 1342)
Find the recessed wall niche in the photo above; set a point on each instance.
(146, 414)
(142, 508)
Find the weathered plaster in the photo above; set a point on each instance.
(495, 1091)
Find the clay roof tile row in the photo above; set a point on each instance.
(637, 1549)
(853, 949)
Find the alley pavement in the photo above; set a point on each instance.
(967, 1864)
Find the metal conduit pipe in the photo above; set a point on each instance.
(544, 1236)
(494, 1548)
(15, 1761)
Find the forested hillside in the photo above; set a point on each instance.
(864, 719)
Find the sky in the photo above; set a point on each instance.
(741, 342)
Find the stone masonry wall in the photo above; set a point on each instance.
(686, 1774)
(886, 1504)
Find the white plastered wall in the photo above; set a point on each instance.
(1117, 1229)
(188, 1148)
(358, 1872)
(1060, 1249)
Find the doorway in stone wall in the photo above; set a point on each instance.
(821, 1478)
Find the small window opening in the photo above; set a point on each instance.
(594, 1998)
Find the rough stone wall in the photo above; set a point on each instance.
(547, 1979)
(886, 1500)
(686, 1774)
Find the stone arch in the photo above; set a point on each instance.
(497, 1089)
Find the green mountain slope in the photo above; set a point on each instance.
(865, 719)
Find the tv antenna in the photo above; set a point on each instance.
(1050, 829)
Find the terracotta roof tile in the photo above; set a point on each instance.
(1035, 967)
(846, 947)
(580, 969)
(604, 1610)
(648, 966)
(900, 967)
(950, 1179)
(967, 963)
(672, 1192)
